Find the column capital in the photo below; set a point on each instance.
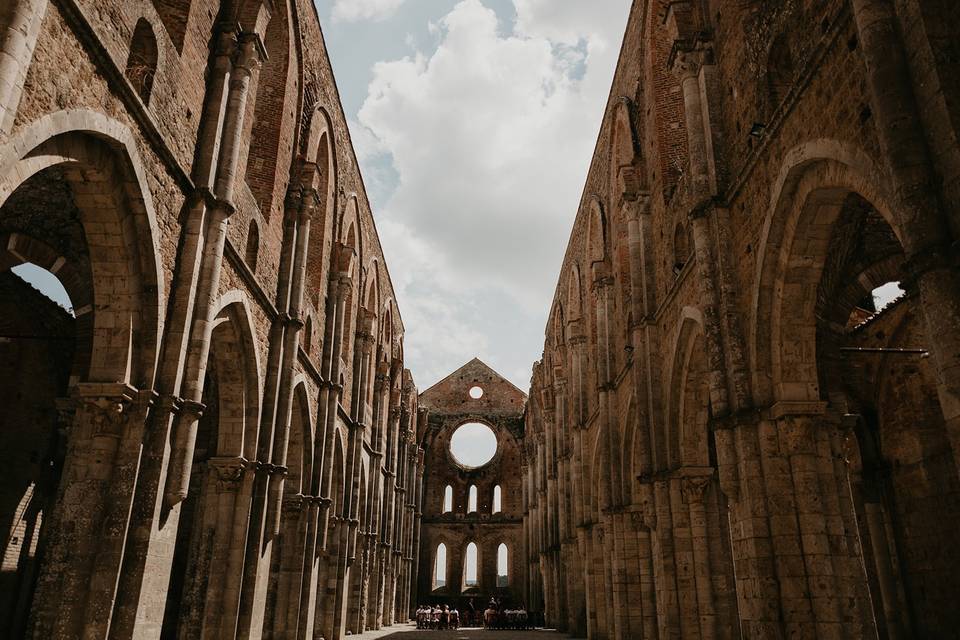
(687, 61)
(108, 405)
(229, 471)
(250, 53)
(694, 488)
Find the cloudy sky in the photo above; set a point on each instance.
(474, 122)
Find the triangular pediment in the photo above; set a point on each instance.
(453, 393)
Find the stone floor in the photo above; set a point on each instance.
(410, 632)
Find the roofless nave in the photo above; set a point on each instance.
(724, 438)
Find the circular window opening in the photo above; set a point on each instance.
(476, 393)
(473, 445)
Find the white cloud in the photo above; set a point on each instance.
(490, 136)
(356, 10)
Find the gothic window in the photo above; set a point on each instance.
(448, 499)
(253, 246)
(497, 497)
(503, 566)
(780, 72)
(472, 500)
(440, 567)
(308, 335)
(470, 567)
(682, 247)
(142, 61)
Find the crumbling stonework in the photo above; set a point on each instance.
(724, 437)
(221, 441)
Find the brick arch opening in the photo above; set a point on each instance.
(208, 559)
(826, 243)
(84, 194)
(269, 155)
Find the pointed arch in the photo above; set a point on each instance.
(685, 442)
(252, 248)
(815, 179)
(574, 293)
(625, 176)
(91, 152)
(234, 353)
(472, 499)
(175, 16)
(471, 566)
(440, 562)
(447, 499)
(338, 485)
(320, 175)
(274, 114)
(497, 500)
(503, 565)
(299, 461)
(596, 232)
(781, 71)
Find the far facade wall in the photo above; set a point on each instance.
(446, 406)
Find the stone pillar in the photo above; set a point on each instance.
(229, 494)
(924, 222)
(331, 391)
(198, 348)
(19, 39)
(68, 585)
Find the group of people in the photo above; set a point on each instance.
(437, 617)
(495, 616)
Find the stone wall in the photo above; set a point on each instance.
(240, 453)
(720, 443)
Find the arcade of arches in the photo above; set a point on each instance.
(746, 419)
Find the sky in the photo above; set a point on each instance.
(474, 122)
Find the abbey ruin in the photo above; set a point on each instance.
(726, 437)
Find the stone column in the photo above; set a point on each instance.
(148, 546)
(229, 500)
(207, 291)
(929, 242)
(330, 392)
(19, 39)
(106, 415)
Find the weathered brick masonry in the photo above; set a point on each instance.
(724, 438)
(221, 441)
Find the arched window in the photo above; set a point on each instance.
(448, 499)
(503, 566)
(472, 500)
(253, 246)
(780, 72)
(682, 247)
(440, 567)
(308, 335)
(268, 160)
(497, 497)
(470, 567)
(142, 61)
